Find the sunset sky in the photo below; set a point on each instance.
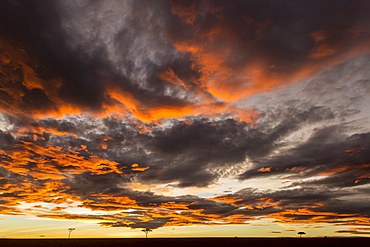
(196, 118)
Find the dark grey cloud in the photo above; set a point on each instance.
(325, 152)
(48, 33)
(63, 57)
(151, 224)
(6, 140)
(34, 26)
(292, 197)
(334, 205)
(284, 34)
(353, 232)
(91, 45)
(326, 119)
(196, 154)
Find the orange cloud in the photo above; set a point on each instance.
(119, 103)
(293, 216)
(141, 169)
(264, 169)
(322, 51)
(332, 171)
(224, 198)
(170, 77)
(71, 161)
(42, 169)
(186, 11)
(20, 77)
(213, 50)
(154, 114)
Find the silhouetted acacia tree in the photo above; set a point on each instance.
(301, 233)
(146, 230)
(70, 230)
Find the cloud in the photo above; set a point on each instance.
(346, 160)
(78, 54)
(355, 231)
(267, 49)
(121, 106)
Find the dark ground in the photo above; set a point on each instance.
(189, 242)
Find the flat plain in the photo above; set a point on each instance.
(188, 242)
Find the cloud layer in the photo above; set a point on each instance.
(132, 110)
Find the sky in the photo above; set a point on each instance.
(204, 118)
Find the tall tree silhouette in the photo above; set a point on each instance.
(146, 230)
(70, 230)
(301, 233)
